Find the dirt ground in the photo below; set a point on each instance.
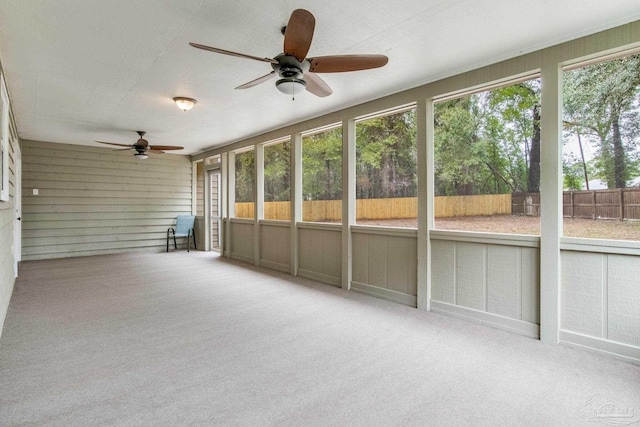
(597, 229)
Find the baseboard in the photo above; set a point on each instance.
(383, 293)
(274, 265)
(626, 352)
(242, 258)
(521, 327)
(324, 278)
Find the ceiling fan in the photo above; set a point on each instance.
(296, 71)
(142, 147)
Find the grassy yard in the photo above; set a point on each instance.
(515, 224)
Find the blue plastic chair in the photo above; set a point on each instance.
(183, 228)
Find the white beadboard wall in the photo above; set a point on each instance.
(492, 280)
(600, 301)
(320, 252)
(385, 263)
(94, 200)
(7, 260)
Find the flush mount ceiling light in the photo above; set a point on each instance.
(185, 104)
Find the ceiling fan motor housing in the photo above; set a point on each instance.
(288, 67)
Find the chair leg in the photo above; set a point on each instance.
(175, 245)
(188, 241)
(194, 240)
(168, 240)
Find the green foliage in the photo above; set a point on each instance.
(277, 167)
(488, 143)
(460, 155)
(322, 165)
(601, 101)
(245, 177)
(386, 156)
(573, 173)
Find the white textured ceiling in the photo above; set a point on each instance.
(85, 70)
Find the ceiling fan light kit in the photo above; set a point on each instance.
(291, 86)
(183, 103)
(296, 71)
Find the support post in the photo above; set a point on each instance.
(424, 145)
(258, 205)
(296, 200)
(551, 202)
(348, 198)
(231, 201)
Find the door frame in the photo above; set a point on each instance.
(210, 170)
(17, 205)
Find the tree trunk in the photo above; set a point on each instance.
(618, 151)
(584, 164)
(533, 178)
(327, 190)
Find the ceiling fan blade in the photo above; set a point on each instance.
(299, 33)
(257, 81)
(114, 143)
(165, 147)
(123, 149)
(342, 63)
(230, 53)
(152, 150)
(317, 86)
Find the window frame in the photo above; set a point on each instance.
(4, 140)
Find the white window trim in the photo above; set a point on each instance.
(4, 141)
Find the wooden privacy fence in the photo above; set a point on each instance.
(396, 208)
(619, 203)
(525, 204)
(489, 204)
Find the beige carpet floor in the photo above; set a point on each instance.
(194, 339)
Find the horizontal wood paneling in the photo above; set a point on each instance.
(97, 201)
(7, 216)
(200, 189)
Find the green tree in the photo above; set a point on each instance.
(322, 165)
(518, 109)
(277, 172)
(489, 143)
(601, 101)
(460, 154)
(245, 177)
(572, 170)
(386, 157)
